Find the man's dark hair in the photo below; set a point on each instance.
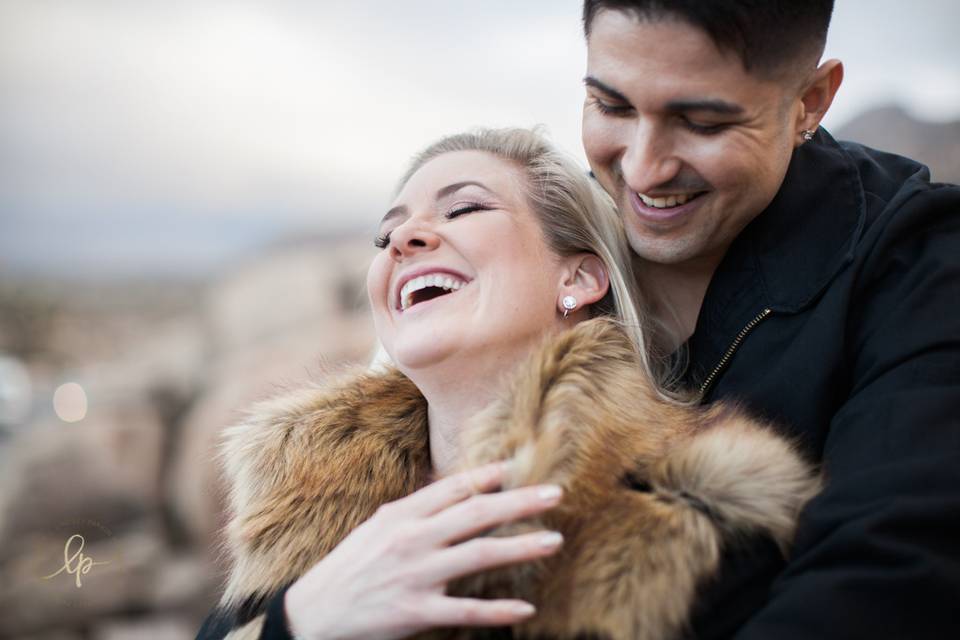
(769, 36)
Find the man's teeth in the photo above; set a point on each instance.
(443, 281)
(668, 201)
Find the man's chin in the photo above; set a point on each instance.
(662, 250)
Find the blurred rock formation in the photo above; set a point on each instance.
(164, 367)
(890, 128)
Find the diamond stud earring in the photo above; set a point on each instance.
(807, 134)
(569, 304)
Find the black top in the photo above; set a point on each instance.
(222, 621)
(836, 314)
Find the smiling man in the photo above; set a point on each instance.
(816, 282)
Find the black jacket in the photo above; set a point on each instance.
(836, 313)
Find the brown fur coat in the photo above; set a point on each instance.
(652, 491)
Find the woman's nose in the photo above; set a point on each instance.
(412, 237)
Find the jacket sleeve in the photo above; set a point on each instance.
(877, 554)
(262, 620)
(275, 623)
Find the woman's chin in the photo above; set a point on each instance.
(422, 355)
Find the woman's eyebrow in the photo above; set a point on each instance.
(395, 212)
(456, 186)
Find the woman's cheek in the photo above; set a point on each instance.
(377, 279)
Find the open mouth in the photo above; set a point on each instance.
(428, 287)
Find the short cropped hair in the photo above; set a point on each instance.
(769, 36)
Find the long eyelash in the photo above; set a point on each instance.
(466, 208)
(382, 241)
(608, 109)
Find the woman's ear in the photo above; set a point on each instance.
(586, 279)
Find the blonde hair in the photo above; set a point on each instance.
(577, 216)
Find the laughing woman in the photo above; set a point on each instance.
(521, 465)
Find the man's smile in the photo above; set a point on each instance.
(668, 201)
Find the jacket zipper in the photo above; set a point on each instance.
(733, 349)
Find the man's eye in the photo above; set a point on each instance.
(465, 208)
(610, 109)
(704, 129)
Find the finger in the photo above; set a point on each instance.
(480, 554)
(481, 512)
(450, 490)
(475, 612)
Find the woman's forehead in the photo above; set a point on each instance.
(457, 170)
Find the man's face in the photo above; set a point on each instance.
(690, 145)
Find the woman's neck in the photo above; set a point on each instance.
(454, 395)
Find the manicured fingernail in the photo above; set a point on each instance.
(549, 493)
(523, 609)
(551, 539)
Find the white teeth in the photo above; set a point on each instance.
(422, 282)
(665, 202)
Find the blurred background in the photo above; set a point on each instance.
(188, 197)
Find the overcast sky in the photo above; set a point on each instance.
(140, 134)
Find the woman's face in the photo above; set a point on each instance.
(465, 272)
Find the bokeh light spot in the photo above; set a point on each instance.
(70, 402)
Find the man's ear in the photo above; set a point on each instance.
(817, 96)
(586, 279)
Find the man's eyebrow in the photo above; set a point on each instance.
(401, 210)
(590, 81)
(717, 106)
(705, 104)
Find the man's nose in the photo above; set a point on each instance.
(412, 237)
(649, 159)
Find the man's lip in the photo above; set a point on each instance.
(416, 273)
(670, 214)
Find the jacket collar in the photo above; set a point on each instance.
(786, 256)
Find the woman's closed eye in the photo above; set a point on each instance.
(460, 209)
(382, 241)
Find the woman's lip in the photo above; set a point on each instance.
(426, 303)
(422, 271)
(660, 216)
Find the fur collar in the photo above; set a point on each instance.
(653, 491)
